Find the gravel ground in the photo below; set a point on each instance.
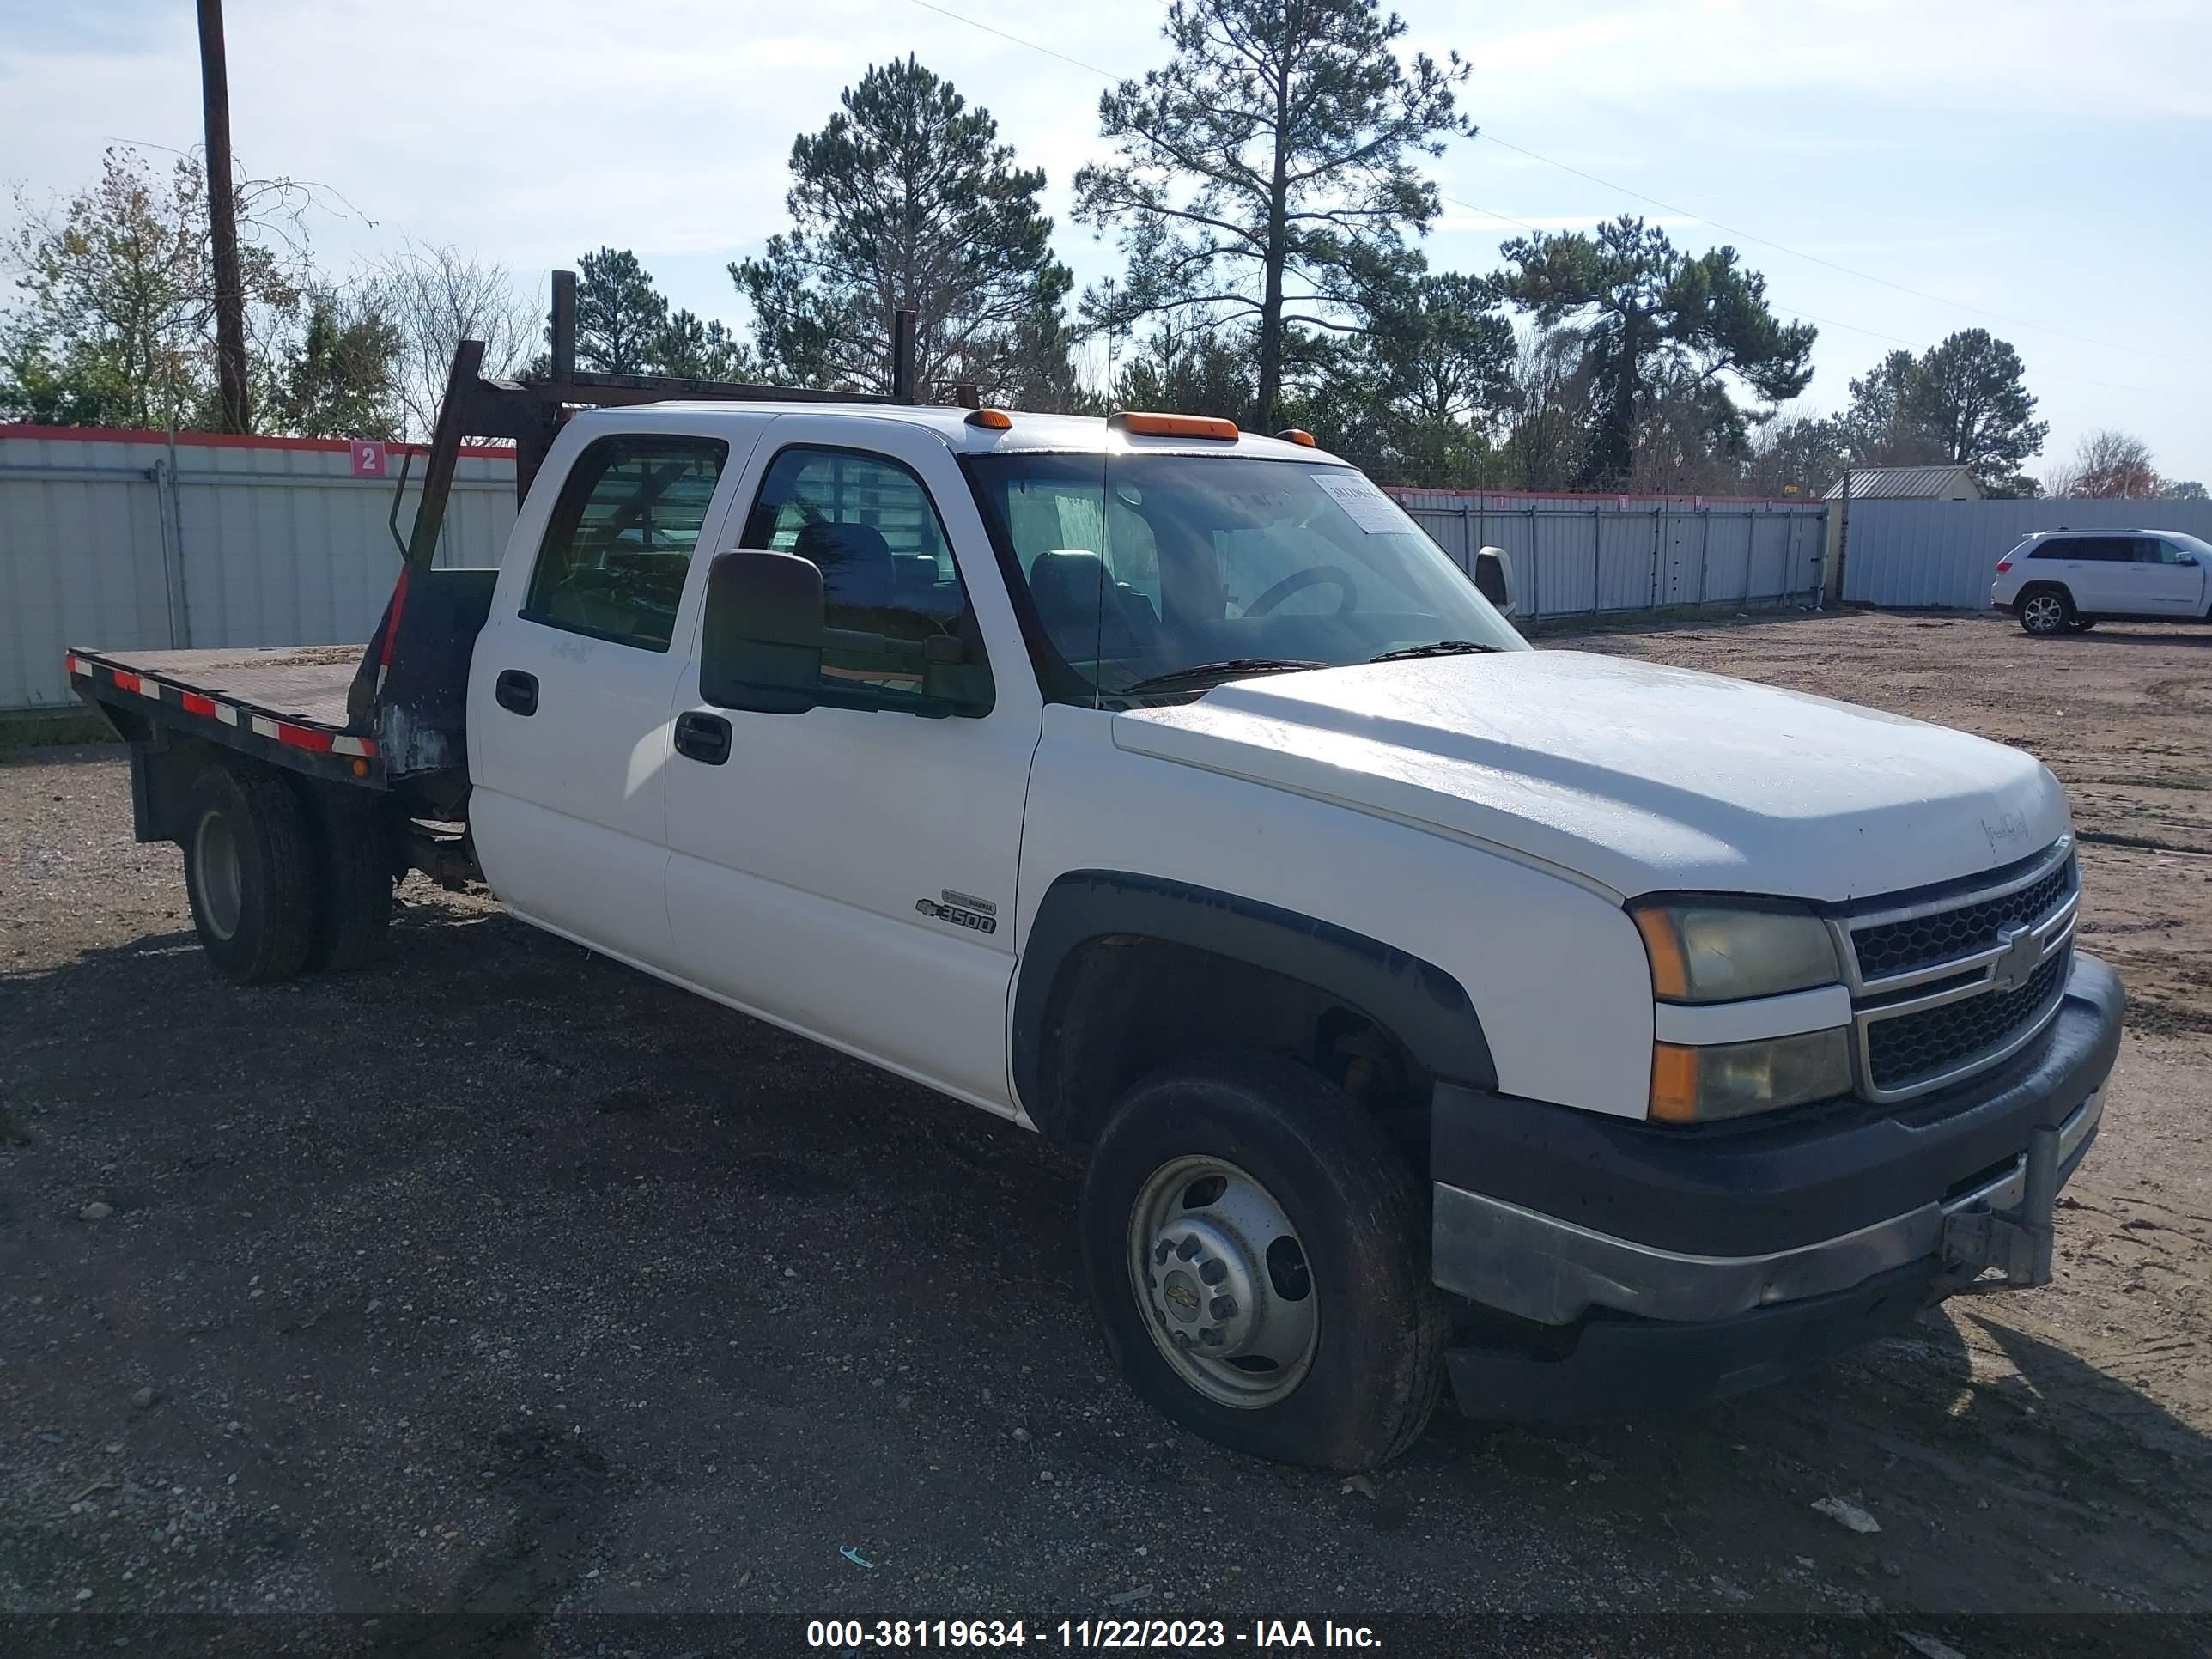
(500, 1279)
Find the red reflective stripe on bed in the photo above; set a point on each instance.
(394, 609)
(126, 682)
(196, 704)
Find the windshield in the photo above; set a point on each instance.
(1149, 567)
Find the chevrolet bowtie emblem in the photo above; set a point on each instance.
(2022, 955)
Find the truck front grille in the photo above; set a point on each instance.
(1955, 980)
(1923, 941)
(1903, 1051)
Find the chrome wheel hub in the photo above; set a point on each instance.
(2044, 614)
(1221, 1279)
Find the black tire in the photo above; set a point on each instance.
(2036, 615)
(1361, 1214)
(249, 869)
(353, 877)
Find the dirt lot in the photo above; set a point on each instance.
(501, 1278)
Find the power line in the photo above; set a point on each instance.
(973, 24)
(1533, 230)
(2041, 373)
(1814, 259)
(1748, 236)
(1852, 328)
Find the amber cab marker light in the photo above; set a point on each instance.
(1674, 1083)
(992, 420)
(1172, 426)
(1670, 974)
(1297, 434)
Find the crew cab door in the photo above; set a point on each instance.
(850, 872)
(573, 674)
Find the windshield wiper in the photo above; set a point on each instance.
(1441, 648)
(1227, 669)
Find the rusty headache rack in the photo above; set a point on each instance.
(411, 686)
(394, 718)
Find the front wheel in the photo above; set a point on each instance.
(2047, 611)
(1256, 1249)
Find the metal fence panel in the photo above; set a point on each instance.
(79, 556)
(1585, 555)
(1945, 553)
(101, 543)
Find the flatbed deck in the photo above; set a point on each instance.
(303, 683)
(286, 702)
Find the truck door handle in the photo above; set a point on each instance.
(516, 690)
(702, 738)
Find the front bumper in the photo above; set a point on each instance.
(1613, 1267)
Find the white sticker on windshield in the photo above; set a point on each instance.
(1362, 503)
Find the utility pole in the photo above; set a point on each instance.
(222, 223)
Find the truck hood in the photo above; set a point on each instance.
(1642, 778)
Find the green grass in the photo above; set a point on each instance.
(36, 728)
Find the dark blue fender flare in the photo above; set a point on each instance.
(1425, 1008)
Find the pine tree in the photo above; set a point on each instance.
(1969, 394)
(1654, 319)
(619, 314)
(1266, 174)
(907, 199)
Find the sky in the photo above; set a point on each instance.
(1897, 171)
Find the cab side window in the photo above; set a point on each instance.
(889, 581)
(2093, 550)
(619, 543)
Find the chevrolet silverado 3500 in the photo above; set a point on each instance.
(1608, 1038)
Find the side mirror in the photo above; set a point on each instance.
(766, 639)
(1493, 579)
(760, 648)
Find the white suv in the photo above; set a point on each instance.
(2058, 581)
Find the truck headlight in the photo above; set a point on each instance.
(1718, 950)
(1732, 1079)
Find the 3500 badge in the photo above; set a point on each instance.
(962, 910)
